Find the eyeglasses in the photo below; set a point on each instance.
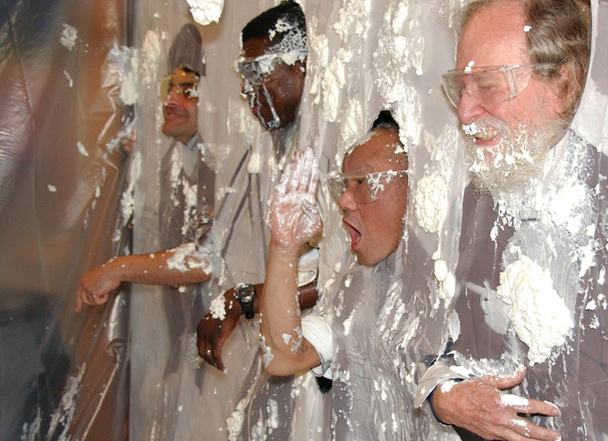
(362, 187)
(256, 70)
(184, 85)
(489, 85)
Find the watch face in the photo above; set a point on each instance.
(245, 293)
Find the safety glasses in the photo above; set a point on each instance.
(489, 85)
(184, 85)
(362, 187)
(256, 70)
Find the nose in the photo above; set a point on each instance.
(247, 88)
(468, 109)
(346, 202)
(171, 98)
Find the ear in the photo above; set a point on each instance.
(567, 85)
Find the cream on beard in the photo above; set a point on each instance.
(508, 166)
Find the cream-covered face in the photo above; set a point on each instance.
(275, 101)
(375, 227)
(180, 111)
(496, 36)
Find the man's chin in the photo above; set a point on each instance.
(508, 166)
(497, 177)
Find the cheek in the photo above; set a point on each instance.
(392, 218)
(531, 109)
(192, 108)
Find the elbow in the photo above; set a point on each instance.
(280, 369)
(274, 361)
(276, 371)
(284, 363)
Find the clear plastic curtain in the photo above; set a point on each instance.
(62, 173)
(79, 90)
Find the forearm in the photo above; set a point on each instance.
(167, 268)
(286, 352)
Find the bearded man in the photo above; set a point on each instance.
(532, 250)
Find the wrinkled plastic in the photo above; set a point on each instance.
(66, 177)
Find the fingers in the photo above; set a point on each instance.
(301, 176)
(307, 162)
(285, 179)
(296, 176)
(524, 429)
(207, 350)
(314, 180)
(86, 297)
(206, 354)
(201, 342)
(212, 356)
(507, 381)
(528, 406)
(216, 352)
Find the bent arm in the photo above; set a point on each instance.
(294, 221)
(285, 351)
(213, 331)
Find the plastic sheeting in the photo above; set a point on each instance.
(74, 74)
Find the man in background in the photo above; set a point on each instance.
(184, 220)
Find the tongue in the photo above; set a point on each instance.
(354, 237)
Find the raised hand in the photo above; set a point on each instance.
(295, 218)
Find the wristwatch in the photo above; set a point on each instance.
(245, 294)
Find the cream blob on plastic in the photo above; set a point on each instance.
(539, 315)
(206, 11)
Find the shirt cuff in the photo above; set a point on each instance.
(319, 334)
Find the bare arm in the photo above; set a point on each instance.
(168, 268)
(294, 220)
(479, 407)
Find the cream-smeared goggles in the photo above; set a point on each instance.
(183, 84)
(489, 85)
(362, 187)
(255, 70)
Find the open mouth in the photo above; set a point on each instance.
(355, 235)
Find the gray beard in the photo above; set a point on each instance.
(520, 158)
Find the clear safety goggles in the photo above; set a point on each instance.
(489, 85)
(362, 187)
(184, 85)
(256, 70)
